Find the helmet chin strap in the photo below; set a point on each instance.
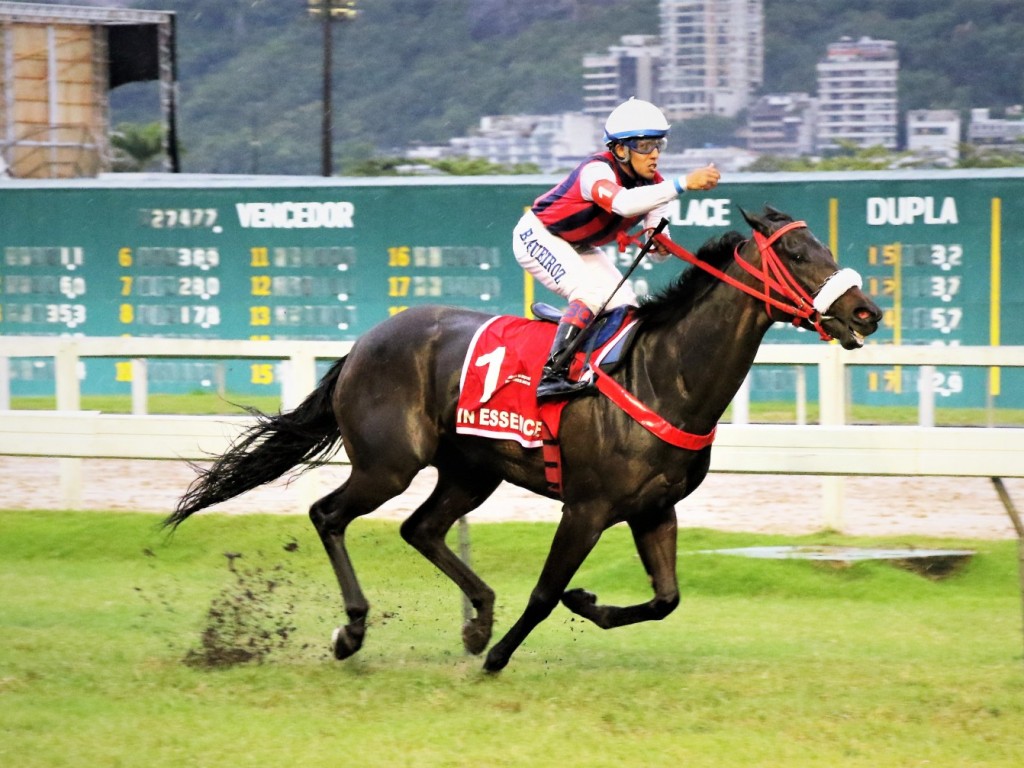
(625, 162)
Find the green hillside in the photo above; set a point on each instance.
(425, 70)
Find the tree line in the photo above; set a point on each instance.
(420, 71)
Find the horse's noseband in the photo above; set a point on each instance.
(836, 285)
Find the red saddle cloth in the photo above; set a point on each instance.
(498, 389)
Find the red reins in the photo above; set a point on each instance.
(775, 277)
(773, 274)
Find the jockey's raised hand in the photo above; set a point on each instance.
(703, 178)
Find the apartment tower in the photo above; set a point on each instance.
(857, 94)
(713, 56)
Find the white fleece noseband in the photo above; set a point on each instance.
(838, 284)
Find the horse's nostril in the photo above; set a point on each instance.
(864, 314)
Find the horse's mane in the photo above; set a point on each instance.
(677, 298)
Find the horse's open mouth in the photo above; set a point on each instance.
(852, 331)
(851, 339)
(858, 330)
(847, 333)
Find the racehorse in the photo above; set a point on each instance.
(391, 402)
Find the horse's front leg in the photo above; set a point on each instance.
(655, 537)
(575, 537)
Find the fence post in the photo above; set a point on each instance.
(298, 379)
(140, 386)
(69, 398)
(65, 372)
(926, 396)
(801, 395)
(741, 402)
(5, 383)
(832, 407)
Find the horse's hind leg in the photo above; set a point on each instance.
(655, 536)
(362, 493)
(455, 495)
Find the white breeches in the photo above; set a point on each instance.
(589, 276)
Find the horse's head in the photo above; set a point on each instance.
(804, 282)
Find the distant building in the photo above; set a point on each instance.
(985, 130)
(627, 69)
(782, 124)
(857, 94)
(726, 159)
(708, 60)
(713, 56)
(551, 142)
(934, 133)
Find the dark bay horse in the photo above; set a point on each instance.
(391, 402)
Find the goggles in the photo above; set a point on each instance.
(645, 145)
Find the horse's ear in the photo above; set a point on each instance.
(775, 212)
(755, 221)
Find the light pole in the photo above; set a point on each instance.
(329, 11)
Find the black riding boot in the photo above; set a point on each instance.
(554, 380)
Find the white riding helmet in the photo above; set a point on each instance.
(635, 118)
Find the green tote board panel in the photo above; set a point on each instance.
(283, 258)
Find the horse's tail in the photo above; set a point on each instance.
(267, 450)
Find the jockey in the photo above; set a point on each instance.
(558, 239)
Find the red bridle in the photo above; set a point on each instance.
(775, 276)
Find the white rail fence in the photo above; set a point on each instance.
(830, 448)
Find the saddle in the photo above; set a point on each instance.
(602, 330)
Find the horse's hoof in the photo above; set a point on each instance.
(495, 662)
(579, 600)
(475, 636)
(344, 642)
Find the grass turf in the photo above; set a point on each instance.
(764, 663)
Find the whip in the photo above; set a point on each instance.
(575, 345)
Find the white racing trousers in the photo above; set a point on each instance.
(589, 275)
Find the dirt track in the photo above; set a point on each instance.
(943, 507)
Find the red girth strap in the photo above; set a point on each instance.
(647, 418)
(551, 420)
